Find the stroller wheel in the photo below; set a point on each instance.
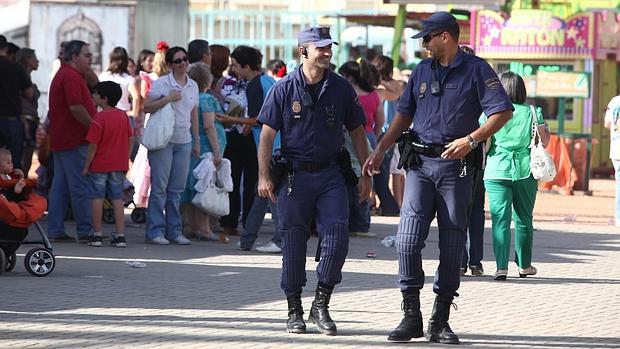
(39, 261)
(138, 215)
(11, 261)
(2, 261)
(108, 216)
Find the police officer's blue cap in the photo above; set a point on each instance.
(437, 21)
(318, 36)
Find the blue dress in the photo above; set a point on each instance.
(206, 103)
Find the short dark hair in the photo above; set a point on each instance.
(144, 54)
(110, 90)
(246, 55)
(196, 49)
(454, 31)
(514, 86)
(3, 42)
(73, 47)
(172, 51)
(119, 60)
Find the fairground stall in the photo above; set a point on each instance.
(571, 70)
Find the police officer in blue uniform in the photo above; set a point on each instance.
(444, 98)
(310, 107)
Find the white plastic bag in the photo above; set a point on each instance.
(541, 163)
(159, 128)
(213, 200)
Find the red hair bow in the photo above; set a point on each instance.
(162, 46)
(281, 72)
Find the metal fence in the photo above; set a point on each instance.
(273, 32)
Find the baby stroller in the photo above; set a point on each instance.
(138, 214)
(15, 218)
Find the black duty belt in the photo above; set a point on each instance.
(311, 166)
(430, 150)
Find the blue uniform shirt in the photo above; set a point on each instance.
(468, 88)
(305, 134)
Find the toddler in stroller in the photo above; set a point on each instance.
(20, 208)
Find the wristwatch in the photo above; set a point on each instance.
(472, 142)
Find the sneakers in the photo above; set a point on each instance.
(118, 241)
(181, 240)
(159, 240)
(527, 271)
(269, 247)
(500, 274)
(95, 241)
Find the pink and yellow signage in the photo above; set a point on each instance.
(533, 34)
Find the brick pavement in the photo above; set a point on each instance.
(210, 295)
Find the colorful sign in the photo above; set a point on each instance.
(533, 34)
(608, 34)
(562, 84)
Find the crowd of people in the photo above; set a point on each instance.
(217, 95)
(230, 109)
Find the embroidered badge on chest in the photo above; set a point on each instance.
(423, 87)
(296, 107)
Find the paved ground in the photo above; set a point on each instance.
(209, 295)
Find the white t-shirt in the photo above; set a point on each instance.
(182, 108)
(123, 80)
(611, 116)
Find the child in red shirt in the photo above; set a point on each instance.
(109, 138)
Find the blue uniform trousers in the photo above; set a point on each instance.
(322, 195)
(434, 187)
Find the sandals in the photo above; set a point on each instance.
(500, 274)
(528, 271)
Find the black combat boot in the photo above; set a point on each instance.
(438, 328)
(411, 325)
(319, 314)
(295, 322)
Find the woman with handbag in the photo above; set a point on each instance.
(509, 182)
(212, 140)
(170, 164)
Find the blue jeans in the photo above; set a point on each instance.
(255, 219)
(617, 168)
(106, 185)
(359, 212)
(169, 168)
(68, 182)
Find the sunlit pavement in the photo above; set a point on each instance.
(211, 295)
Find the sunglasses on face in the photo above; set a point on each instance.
(429, 37)
(179, 60)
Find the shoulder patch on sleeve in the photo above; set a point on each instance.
(492, 83)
